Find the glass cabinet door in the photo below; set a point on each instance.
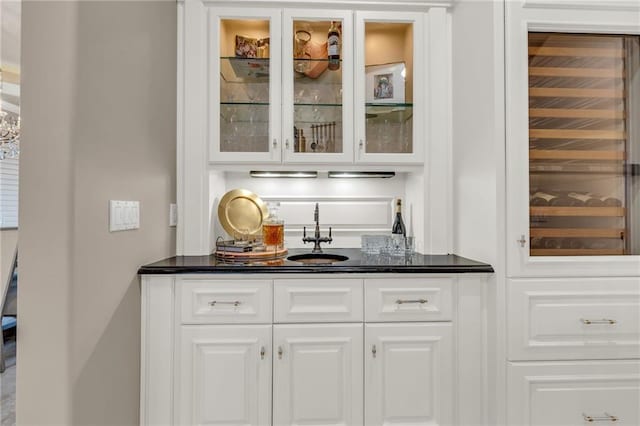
(317, 69)
(387, 88)
(584, 144)
(244, 91)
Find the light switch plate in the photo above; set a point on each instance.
(173, 214)
(124, 215)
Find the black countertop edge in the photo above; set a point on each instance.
(357, 263)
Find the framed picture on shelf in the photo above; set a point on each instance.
(385, 83)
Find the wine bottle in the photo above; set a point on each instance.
(333, 46)
(398, 223)
(541, 199)
(586, 199)
(607, 200)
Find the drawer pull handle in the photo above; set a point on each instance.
(598, 321)
(402, 302)
(374, 351)
(222, 302)
(280, 352)
(606, 418)
(262, 352)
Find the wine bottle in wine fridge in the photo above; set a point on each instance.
(398, 224)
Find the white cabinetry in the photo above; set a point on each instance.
(317, 374)
(573, 260)
(224, 375)
(218, 369)
(408, 370)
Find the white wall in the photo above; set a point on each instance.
(98, 108)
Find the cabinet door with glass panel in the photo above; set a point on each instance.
(244, 94)
(390, 91)
(584, 150)
(317, 76)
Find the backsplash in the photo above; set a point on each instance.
(352, 207)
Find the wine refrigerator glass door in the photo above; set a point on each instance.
(245, 127)
(584, 144)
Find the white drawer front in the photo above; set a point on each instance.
(408, 299)
(225, 301)
(585, 318)
(569, 393)
(318, 300)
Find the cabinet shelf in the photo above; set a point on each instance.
(574, 72)
(581, 52)
(247, 104)
(244, 70)
(577, 252)
(576, 113)
(560, 92)
(576, 134)
(577, 232)
(565, 154)
(578, 211)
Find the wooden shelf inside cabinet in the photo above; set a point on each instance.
(575, 113)
(577, 211)
(576, 134)
(565, 154)
(577, 232)
(576, 252)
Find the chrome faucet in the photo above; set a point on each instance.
(316, 239)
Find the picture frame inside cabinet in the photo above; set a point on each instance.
(385, 83)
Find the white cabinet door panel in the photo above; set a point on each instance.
(318, 374)
(224, 375)
(585, 318)
(569, 393)
(408, 374)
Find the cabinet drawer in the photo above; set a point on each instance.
(585, 318)
(569, 393)
(224, 301)
(408, 299)
(318, 300)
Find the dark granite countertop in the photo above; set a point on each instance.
(358, 263)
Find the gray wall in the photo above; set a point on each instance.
(98, 115)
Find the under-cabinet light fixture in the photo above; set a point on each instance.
(282, 174)
(384, 175)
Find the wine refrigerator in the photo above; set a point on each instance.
(584, 144)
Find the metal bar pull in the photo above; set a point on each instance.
(280, 352)
(224, 302)
(598, 321)
(262, 352)
(374, 351)
(403, 301)
(606, 418)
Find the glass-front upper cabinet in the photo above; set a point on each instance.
(245, 91)
(317, 75)
(389, 57)
(584, 144)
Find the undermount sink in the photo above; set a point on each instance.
(318, 258)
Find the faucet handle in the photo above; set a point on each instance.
(330, 239)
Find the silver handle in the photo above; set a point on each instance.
(223, 302)
(522, 240)
(280, 352)
(275, 143)
(402, 302)
(361, 144)
(598, 321)
(286, 143)
(606, 418)
(374, 351)
(262, 352)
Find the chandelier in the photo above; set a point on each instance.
(9, 135)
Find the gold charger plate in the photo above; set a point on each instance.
(241, 213)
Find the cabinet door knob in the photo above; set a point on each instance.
(286, 143)
(262, 352)
(522, 240)
(361, 144)
(275, 143)
(280, 352)
(374, 351)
